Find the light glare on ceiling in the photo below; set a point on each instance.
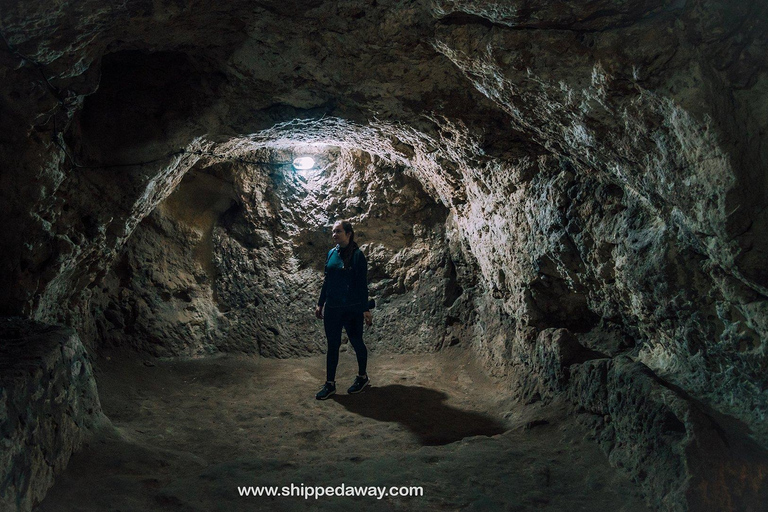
(304, 163)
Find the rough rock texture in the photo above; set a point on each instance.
(48, 399)
(601, 167)
(233, 259)
(643, 422)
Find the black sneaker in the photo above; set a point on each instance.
(359, 384)
(329, 388)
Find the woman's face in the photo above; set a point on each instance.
(339, 235)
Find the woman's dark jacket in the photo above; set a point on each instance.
(345, 287)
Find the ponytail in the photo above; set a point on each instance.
(347, 252)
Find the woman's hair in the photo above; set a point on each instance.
(349, 250)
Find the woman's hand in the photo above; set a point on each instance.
(368, 318)
(319, 312)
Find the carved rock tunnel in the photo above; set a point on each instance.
(579, 220)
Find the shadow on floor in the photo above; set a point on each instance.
(421, 411)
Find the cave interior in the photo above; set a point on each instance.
(564, 209)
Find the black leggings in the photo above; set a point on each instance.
(352, 322)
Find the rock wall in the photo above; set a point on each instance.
(666, 259)
(579, 251)
(48, 401)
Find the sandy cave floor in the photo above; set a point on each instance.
(186, 433)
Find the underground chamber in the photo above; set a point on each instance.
(562, 210)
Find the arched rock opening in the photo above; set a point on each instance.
(239, 247)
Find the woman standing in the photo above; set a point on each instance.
(344, 303)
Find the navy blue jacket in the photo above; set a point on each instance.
(345, 287)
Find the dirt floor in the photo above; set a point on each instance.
(186, 434)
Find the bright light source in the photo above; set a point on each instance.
(304, 163)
